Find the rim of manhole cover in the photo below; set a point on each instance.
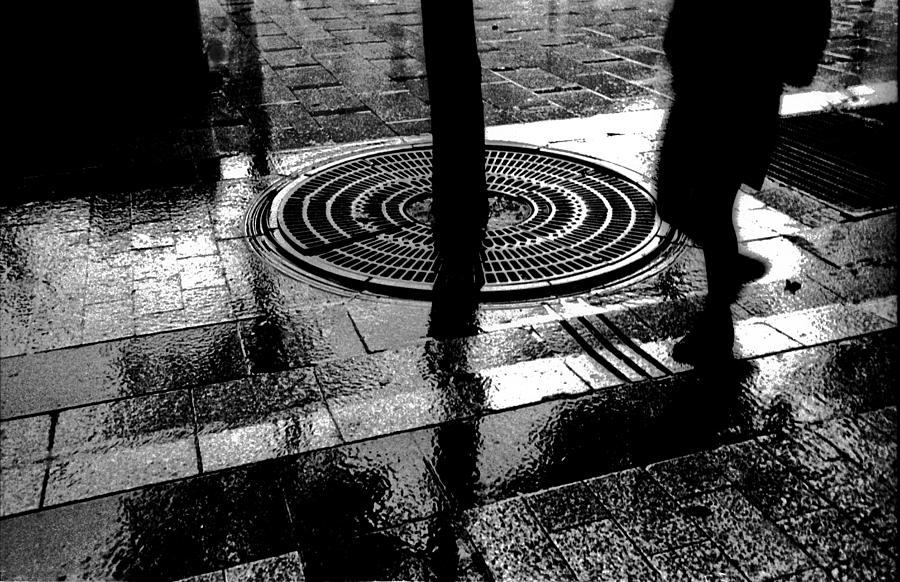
(560, 223)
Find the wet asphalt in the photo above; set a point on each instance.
(175, 407)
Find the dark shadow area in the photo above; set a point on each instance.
(565, 441)
(110, 93)
(104, 72)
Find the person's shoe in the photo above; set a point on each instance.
(699, 349)
(710, 342)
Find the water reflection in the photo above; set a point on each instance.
(246, 63)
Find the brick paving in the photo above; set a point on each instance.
(173, 408)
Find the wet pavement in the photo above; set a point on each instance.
(175, 407)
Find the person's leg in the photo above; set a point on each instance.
(711, 338)
(718, 240)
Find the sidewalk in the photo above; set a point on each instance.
(174, 408)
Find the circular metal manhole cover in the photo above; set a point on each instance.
(559, 223)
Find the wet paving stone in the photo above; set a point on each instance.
(21, 487)
(148, 235)
(217, 576)
(645, 511)
(157, 295)
(873, 566)
(537, 80)
(828, 537)
(629, 69)
(786, 296)
(299, 339)
(500, 348)
(883, 420)
(257, 289)
(690, 475)
(549, 444)
(827, 323)
(108, 282)
(768, 484)
(811, 575)
(286, 568)
(397, 106)
(24, 440)
(513, 544)
(121, 445)
(358, 488)
(307, 77)
(601, 551)
(800, 207)
(611, 350)
(165, 531)
(857, 285)
(157, 263)
(758, 548)
(203, 306)
(108, 321)
(399, 390)
(230, 202)
(865, 498)
(805, 453)
(529, 382)
(281, 59)
(868, 242)
(610, 86)
(826, 381)
(701, 561)
(328, 100)
(753, 338)
(357, 126)
(261, 417)
(566, 506)
(511, 96)
(860, 442)
(203, 271)
(88, 374)
(581, 103)
(430, 549)
(386, 325)
(885, 308)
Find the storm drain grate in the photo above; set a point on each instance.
(839, 158)
(558, 222)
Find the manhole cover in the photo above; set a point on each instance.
(559, 223)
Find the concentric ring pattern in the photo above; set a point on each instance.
(358, 223)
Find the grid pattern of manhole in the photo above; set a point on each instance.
(840, 158)
(559, 221)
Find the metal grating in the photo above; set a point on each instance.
(839, 158)
(558, 222)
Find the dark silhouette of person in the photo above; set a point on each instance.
(728, 75)
(459, 210)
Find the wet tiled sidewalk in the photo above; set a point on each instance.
(204, 414)
(297, 74)
(174, 407)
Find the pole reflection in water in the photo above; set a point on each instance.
(236, 60)
(459, 214)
